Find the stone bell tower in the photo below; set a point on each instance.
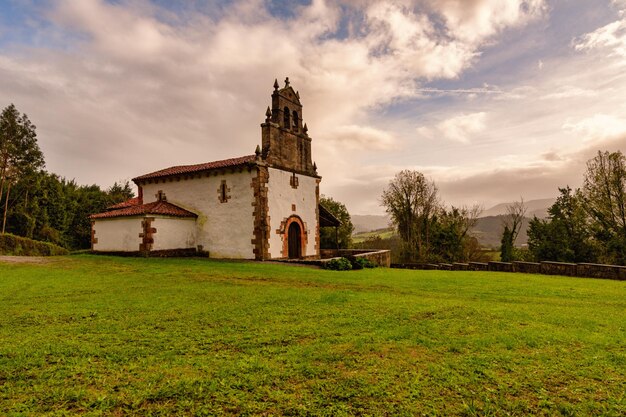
(285, 141)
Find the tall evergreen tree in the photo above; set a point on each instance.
(19, 152)
(506, 245)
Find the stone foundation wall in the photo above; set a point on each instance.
(501, 266)
(601, 271)
(377, 257)
(166, 253)
(558, 268)
(527, 267)
(584, 270)
(478, 266)
(334, 253)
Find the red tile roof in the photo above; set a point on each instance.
(128, 203)
(188, 169)
(156, 207)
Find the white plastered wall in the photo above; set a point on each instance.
(226, 229)
(281, 196)
(173, 233)
(118, 234)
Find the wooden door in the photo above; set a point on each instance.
(293, 235)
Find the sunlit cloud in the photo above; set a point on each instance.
(611, 37)
(569, 92)
(475, 20)
(460, 128)
(598, 127)
(361, 137)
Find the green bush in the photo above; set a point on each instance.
(22, 246)
(360, 263)
(339, 264)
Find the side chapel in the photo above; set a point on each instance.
(261, 206)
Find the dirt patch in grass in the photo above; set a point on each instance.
(24, 259)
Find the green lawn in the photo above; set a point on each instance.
(121, 336)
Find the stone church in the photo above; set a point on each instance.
(261, 206)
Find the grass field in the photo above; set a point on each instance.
(120, 336)
(382, 233)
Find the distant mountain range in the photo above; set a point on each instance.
(488, 229)
(367, 223)
(538, 208)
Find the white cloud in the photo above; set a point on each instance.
(598, 127)
(460, 128)
(620, 4)
(484, 90)
(611, 37)
(361, 138)
(475, 20)
(569, 91)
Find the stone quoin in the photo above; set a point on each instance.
(260, 206)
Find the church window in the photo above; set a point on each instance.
(160, 195)
(295, 121)
(223, 192)
(286, 118)
(293, 181)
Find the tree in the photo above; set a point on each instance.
(506, 245)
(451, 239)
(412, 202)
(513, 220)
(19, 151)
(344, 232)
(566, 235)
(604, 193)
(50, 208)
(120, 192)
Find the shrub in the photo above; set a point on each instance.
(360, 263)
(17, 245)
(339, 264)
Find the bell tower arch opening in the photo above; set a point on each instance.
(286, 119)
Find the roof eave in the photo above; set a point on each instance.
(146, 178)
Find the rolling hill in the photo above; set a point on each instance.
(534, 208)
(488, 229)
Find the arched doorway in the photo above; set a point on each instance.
(295, 245)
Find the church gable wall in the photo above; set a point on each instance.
(292, 201)
(225, 226)
(117, 234)
(173, 233)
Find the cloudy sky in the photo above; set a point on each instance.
(492, 99)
